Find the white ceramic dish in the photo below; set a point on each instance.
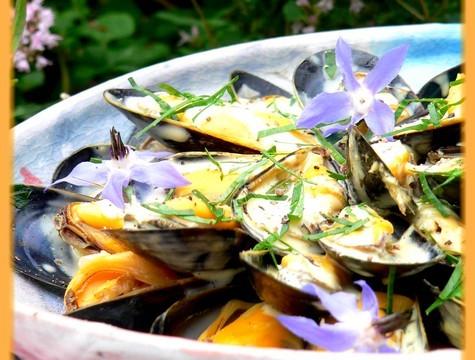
(42, 141)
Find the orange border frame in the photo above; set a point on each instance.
(469, 190)
(6, 293)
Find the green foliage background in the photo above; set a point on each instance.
(106, 38)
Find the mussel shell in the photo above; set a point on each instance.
(370, 267)
(438, 86)
(259, 229)
(369, 183)
(279, 295)
(187, 249)
(188, 315)
(250, 86)
(310, 78)
(169, 132)
(136, 310)
(39, 252)
(452, 312)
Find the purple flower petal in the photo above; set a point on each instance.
(344, 62)
(113, 190)
(86, 174)
(386, 69)
(333, 128)
(161, 174)
(151, 155)
(341, 305)
(385, 348)
(335, 337)
(325, 108)
(368, 298)
(380, 118)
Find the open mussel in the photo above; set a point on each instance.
(292, 198)
(39, 252)
(239, 319)
(137, 310)
(239, 126)
(103, 277)
(374, 244)
(372, 179)
(279, 282)
(428, 133)
(177, 227)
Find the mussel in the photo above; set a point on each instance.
(378, 244)
(300, 184)
(240, 126)
(39, 252)
(279, 284)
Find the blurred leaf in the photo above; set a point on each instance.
(19, 23)
(292, 12)
(113, 26)
(30, 80)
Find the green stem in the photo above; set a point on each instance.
(390, 289)
(19, 23)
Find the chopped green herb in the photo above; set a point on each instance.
(170, 195)
(330, 64)
(216, 163)
(239, 182)
(277, 130)
(175, 92)
(336, 176)
(189, 103)
(337, 155)
(282, 184)
(163, 104)
(269, 243)
(296, 204)
(390, 289)
(456, 82)
(165, 210)
(129, 193)
(344, 230)
(453, 289)
(95, 160)
(429, 196)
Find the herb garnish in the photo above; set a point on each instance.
(337, 155)
(95, 160)
(330, 64)
(188, 103)
(296, 204)
(453, 289)
(346, 228)
(216, 163)
(390, 289)
(277, 130)
(269, 243)
(429, 196)
(163, 104)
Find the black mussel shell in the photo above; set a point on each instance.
(136, 310)
(186, 139)
(250, 86)
(39, 252)
(183, 315)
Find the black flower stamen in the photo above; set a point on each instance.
(118, 149)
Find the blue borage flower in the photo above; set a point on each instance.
(126, 165)
(359, 100)
(355, 329)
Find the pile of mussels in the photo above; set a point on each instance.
(268, 209)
